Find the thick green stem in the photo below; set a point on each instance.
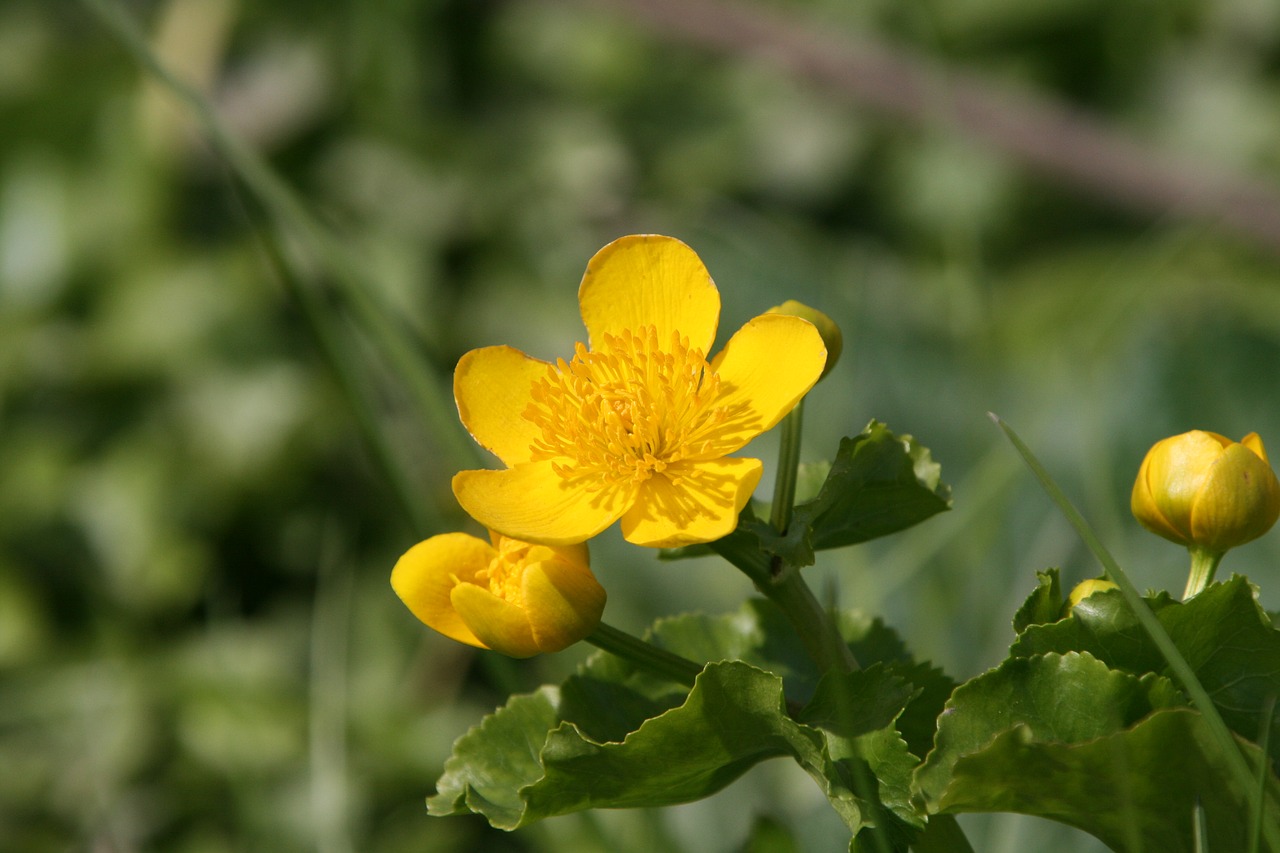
(1204, 564)
(645, 655)
(784, 488)
(788, 590)
(812, 622)
(942, 835)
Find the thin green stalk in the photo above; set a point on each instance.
(784, 488)
(645, 655)
(1237, 766)
(1204, 565)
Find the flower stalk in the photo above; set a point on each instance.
(644, 655)
(784, 488)
(1204, 565)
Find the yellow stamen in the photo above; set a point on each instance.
(630, 410)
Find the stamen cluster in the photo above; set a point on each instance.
(629, 410)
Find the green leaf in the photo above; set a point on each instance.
(611, 736)
(493, 761)
(919, 721)
(1064, 737)
(878, 484)
(1067, 698)
(1224, 635)
(1043, 605)
(856, 712)
(1134, 789)
(733, 718)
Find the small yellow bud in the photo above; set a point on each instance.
(1084, 589)
(1207, 492)
(826, 327)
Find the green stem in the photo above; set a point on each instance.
(784, 489)
(942, 834)
(1204, 565)
(812, 622)
(788, 590)
(645, 655)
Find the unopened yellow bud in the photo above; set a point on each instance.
(1084, 589)
(826, 327)
(1207, 492)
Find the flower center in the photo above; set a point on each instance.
(504, 576)
(628, 411)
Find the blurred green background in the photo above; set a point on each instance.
(199, 648)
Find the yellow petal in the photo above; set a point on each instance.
(424, 578)
(649, 280)
(702, 507)
(1143, 504)
(1180, 466)
(492, 388)
(530, 501)
(563, 601)
(1239, 502)
(1253, 441)
(499, 624)
(764, 370)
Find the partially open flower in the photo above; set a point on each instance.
(1207, 492)
(510, 596)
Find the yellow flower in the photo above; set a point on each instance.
(639, 426)
(1205, 491)
(510, 596)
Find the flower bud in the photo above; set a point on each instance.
(826, 327)
(1207, 492)
(1084, 589)
(507, 595)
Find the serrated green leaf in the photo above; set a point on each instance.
(1225, 637)
(611, 736)
(856, 712)
(1043, 605)
(1134, 789)
(493, 761)
(1057, 698)
(878, 484)
(919, 720)
(732, 719)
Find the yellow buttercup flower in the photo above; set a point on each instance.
(1205, 491)
(514, 597)
(637, 426)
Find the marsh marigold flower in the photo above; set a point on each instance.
(510, 596)
(638, 426)
(1205, 491)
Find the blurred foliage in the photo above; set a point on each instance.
(199, 649)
